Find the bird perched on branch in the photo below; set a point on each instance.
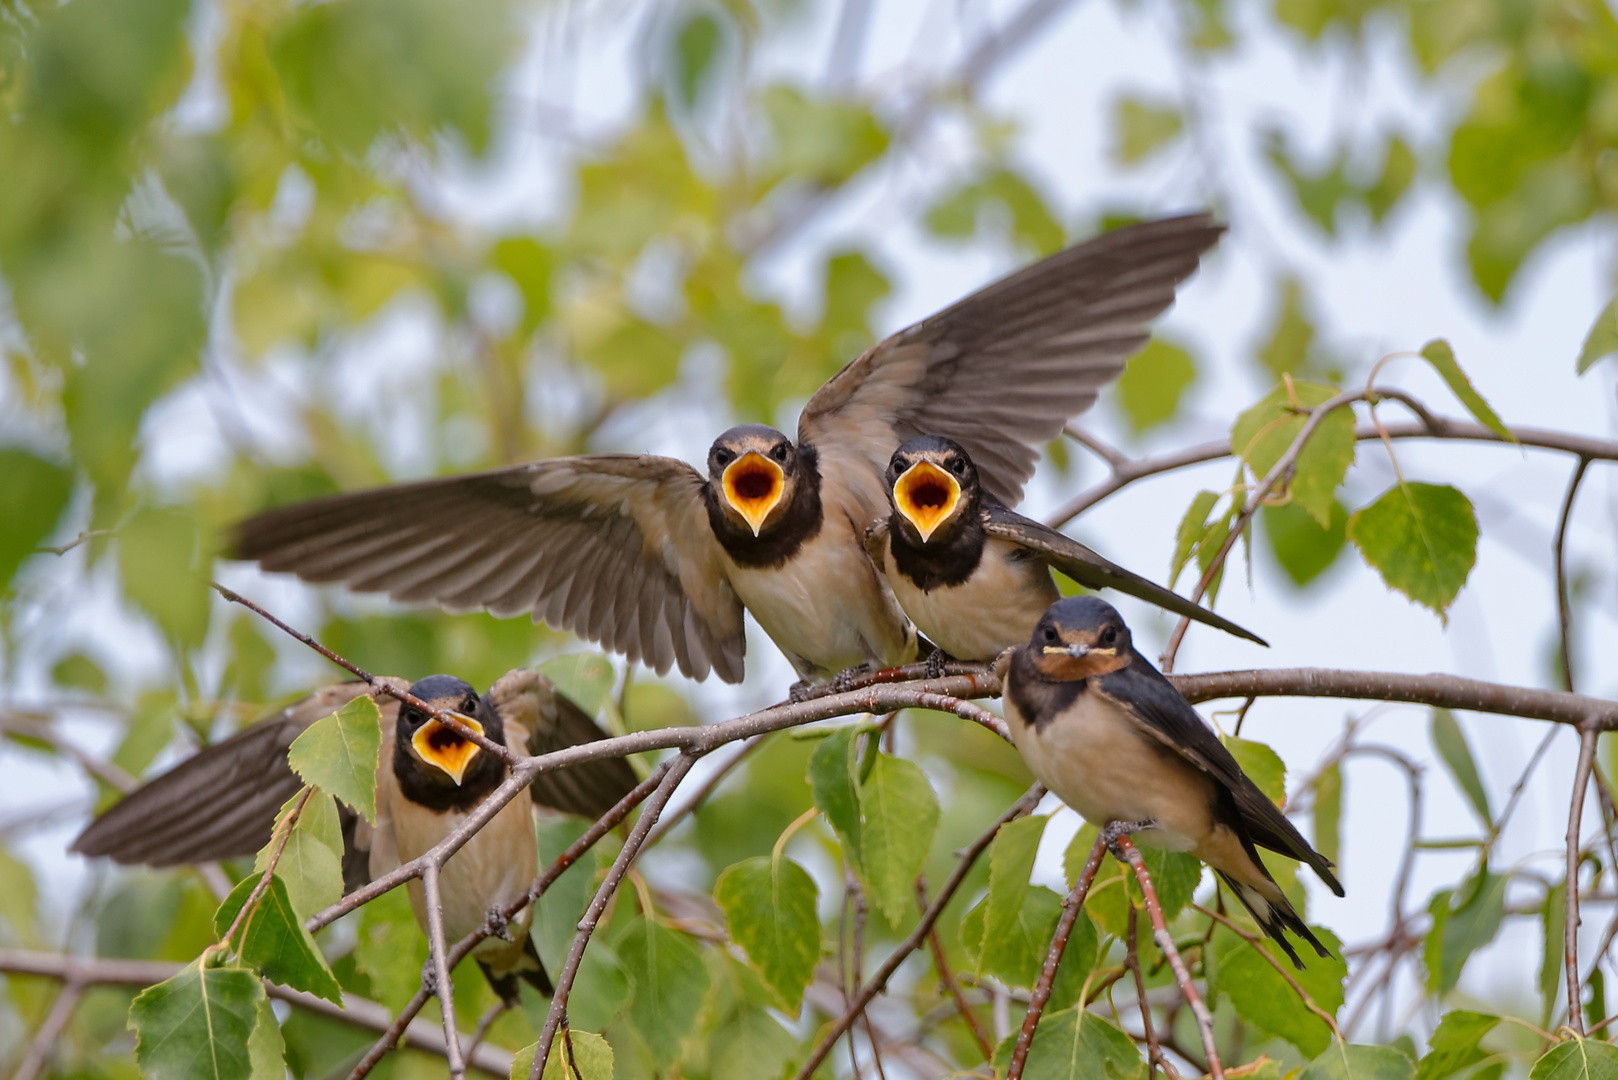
(1103, 729)
(222, 802)
(975, 576)
(657, 561)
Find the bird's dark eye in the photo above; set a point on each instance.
(723, 456)
(469, 706)
(1108, 636)
(958, 467)
(779, 453)
(1050, 634)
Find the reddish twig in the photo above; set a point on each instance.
(947, 977)
(1053, 958)
(1125, 851)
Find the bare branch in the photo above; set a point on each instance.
(556, 1015)
(49, 1031)
(1559, 550)
(28, 728)
(1165, 941)
(1570, 929)
(879, 981)
(1071, 906)
(438, 958)
(250, 905)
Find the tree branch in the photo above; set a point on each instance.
(947, 977)
(1564, 614)
(1570, 928)
(438, 960)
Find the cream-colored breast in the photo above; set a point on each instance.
(993, 610)
(1100, 764)
(826, 607)
(494, 867)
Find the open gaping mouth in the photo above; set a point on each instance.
(445, 748)
(753, 485)
(926, 495)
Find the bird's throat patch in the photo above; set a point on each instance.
(926, 495)
(446, 749)
(753, 487)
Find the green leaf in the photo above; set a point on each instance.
(899, 815)
(275, 941)
(1011, 863)
(670, 983)
(1287, 350)
(1263, 433)
(832, 779)
(1175, 876)
(530, 265)
(18, 896)
(591, 1059)
(751, 1043)
(196, 1026)
(1073, 1044)
(696, 46)
(1002, 201)
(1438, 353)
(1455, 1044)
(339, 754)
(1264, 999)
(1450, 743)
(265, 1047)
(1398, 173)
(1141, 128)
(1192, 529)
(1422, 539)
(1460, 930)
(31, 500)
(311, 865)
(1351, 1061)
(1577, 1059)
(1602, 340)
(769, 905)
(1262, 765)
(1151, 387)
(1303, 549)
(162, 562)
(433, 68)
(1328, 813)
(824, 141)
(1552, 921)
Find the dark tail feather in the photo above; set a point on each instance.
(530, 968)
(1274, 919)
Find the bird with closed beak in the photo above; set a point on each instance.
(658, 561)
(1103, 729)
(975, 576)
(222, 802)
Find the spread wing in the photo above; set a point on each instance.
(613, 547)
(1152, 702)
(221, 802)
(554, 722)
(1003, 370)
(1094, 572)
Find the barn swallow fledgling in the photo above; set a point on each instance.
(657, 561)
(222, 802)
(1103, 729)
(975, 576)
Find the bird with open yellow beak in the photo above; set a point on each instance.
(222, 802)
(657, 561)
(974, 575)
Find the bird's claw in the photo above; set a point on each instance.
(1116, 830)
(429, 977)
(799, 691)
(844, 680)
(497, 925)
(935, 663)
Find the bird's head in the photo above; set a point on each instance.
(439, 745)
(932, 486)
(1080, 636)
(754, 471)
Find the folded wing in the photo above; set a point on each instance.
(554, 722)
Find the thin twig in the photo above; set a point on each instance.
(1071, 907)
(947, 977)
(1154, 1050)
(1165, 941)
(556, 1014)
(1564, 613)
(879, 981)
(250, 905)
(1570, 928)
(45, 732)
(438, 957)
(49, 1031)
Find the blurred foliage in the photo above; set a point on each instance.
(217, 206)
